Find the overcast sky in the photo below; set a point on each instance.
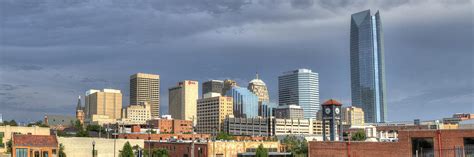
(51, 51)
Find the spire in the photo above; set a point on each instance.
(79, 104)
(256, 75)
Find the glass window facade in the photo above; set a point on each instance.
(300, 87)
(21, 152)
(245, 102)
(367, 66)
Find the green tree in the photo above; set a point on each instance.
(224, 136)
(261, 151)
(61, 151)
(81, 132)
(127, 150)
(160, 153)
(358, 136)
(9, 146)
(295, 146)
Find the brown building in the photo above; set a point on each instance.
(165, 136)
(172, 125)
(211, 113)
(437, 143)
(146, 88)
(212, 149)
(34, 146)
(107, 102)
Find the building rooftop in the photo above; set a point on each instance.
(332, 102)
(35, 140)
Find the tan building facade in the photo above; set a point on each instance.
(353, 116)
(82, 146)
(228, 84)
(106, 102)
(136, 114)
(211, 113)
(6, 133)
(182, 100)
(259, 88)
(146, 88)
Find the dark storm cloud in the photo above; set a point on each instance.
(60, 49)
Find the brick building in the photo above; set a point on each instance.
(172, 125)
(34, 145)
(437, 143)
(165, 136)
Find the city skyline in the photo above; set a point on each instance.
(60, 59)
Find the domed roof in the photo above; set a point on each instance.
(332, 102)
(257, 81)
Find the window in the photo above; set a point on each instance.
(45, 154)
(21, 152)
(469, 146)
(422, 147)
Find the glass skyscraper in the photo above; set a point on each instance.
(300, 87)
(367, 66)
(245, 102)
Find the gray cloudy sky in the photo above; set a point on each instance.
(51, 51)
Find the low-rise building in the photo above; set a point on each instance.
(353, 116)
(172, 125)
(272, 126)
(289, 112)
(6, 133)
(217, 148)
(248, 126)
(136, 114)
(83, 146)
(166, 137)
(34, 146)
(446, 143)
(59, 122)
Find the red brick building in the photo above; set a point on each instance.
(442, 143)
(165, 136)
(34, 145)
(172, 125)
(180, 149)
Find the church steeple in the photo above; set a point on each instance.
(79, 104)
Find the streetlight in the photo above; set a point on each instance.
(139, 152)
(93, 148)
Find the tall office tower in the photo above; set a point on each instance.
(300, 87)
(367, 66)
(212, 88)
(259, 88)
(211, 113)
(353, 116)
(107, 102)
(245, 102)
(182, 100)
(228, 84)
(80, 111)
(145, 88)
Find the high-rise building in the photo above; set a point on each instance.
(212, 88)
(107, 102)
(80, 116)
(145, 88)
(300, 87)
(245, 102)
(353, 116)
(259, 88)
(182, 100)
(211, 113)
(228, 84)
(367, 66)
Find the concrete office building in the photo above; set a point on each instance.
(248, 126)
(245, 102)
(107, 102)
(353, 116)
(146, 88)
(136, 114)
(212, 88)
(211, 113)
(300, 87)
(182, 100)
(289, 112)
(367, 66)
